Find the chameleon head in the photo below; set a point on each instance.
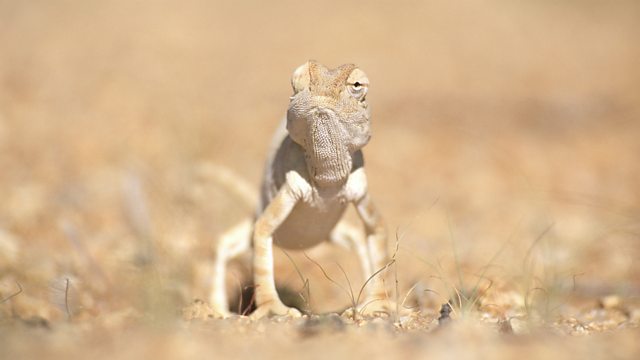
(329, 118)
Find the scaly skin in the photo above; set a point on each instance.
(315, 171)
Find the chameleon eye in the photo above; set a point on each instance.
(358, 90)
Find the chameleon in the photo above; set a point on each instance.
(314, 171)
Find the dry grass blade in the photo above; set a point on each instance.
(240, 292)
(372, 277)
(66, 299)
(527, 303)
(251, 302)
(344, 273)
(305, 281)
(324, 273)
(406, 296)
(14, 294)
(527, 258)
(386, 266)
(455, 252)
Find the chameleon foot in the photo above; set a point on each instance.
(275, 309)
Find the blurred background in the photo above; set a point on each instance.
(505, 154)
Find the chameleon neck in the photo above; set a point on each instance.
(329, 161)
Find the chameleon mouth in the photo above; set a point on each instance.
(328, 158)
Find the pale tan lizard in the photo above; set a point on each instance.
(314, 172)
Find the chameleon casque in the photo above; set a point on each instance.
(315, 170)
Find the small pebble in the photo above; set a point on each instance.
(610, 302)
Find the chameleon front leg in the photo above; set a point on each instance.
(267, 300)
(349, 237)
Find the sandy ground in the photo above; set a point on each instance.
(505, 159)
